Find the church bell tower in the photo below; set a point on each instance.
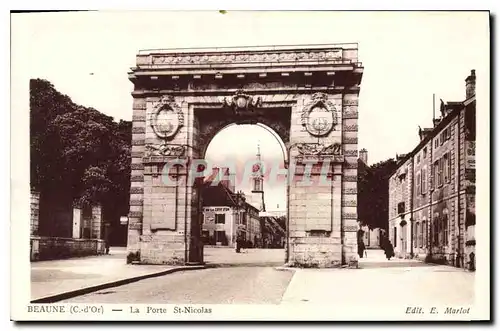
(258, 180)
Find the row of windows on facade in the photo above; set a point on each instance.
(439, 233)
(220, 218)
(439, 141)
(442, 174)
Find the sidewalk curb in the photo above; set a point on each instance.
(441, 265)
(294, 269)
(286, 269)
(90, 289)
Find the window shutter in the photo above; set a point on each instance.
(424, 180)
(449, 167)
(445, 169)
(436, 174)
(418, 183)
(441, 171)
(431, 176)
(415, 235)
(424, 234)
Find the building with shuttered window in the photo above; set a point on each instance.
(226, 212)
(432, 191)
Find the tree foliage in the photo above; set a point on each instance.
(282, 221)
(373, 193)
(78, 150)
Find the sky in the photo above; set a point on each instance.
(407, 57)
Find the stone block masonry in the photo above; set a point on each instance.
(308, 95)
(35, 208)
(54, 248)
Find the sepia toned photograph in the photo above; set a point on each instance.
(250, 165)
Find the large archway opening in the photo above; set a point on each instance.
(307, 95)
(244, 209)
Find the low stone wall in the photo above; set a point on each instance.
(316, 252)
(162, 249)
(51, 248)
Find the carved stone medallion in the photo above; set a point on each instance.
(319, 115)
(167, 118)
(241, 103)
(165, 150)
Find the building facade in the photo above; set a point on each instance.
(219, 225)
(273, 230)
(432, 191)
(227, 213)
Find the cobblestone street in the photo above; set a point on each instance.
(252, 277)
(224, 256)
(233, 285)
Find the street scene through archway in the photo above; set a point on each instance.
(244, 212)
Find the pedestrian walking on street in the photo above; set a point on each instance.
(361, 248)
(388, 250)
(239, 242)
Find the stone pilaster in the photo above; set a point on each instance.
(35, 208)
(137, 175)
(77, 222)
(462, 186)
(315, 209)
(167, 202)
(454, 216)
(349, 179)
(96, 225)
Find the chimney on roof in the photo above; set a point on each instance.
(423, 132)
(400, 157)
(222, 176)
(470, 84)
(363, 156)
(225, 178)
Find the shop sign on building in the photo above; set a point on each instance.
(470, 155)
(216, 209)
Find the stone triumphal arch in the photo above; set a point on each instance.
(182, 97)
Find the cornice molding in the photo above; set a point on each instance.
(143, 93)
(244, 57)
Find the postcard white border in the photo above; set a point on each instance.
(19, 227)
